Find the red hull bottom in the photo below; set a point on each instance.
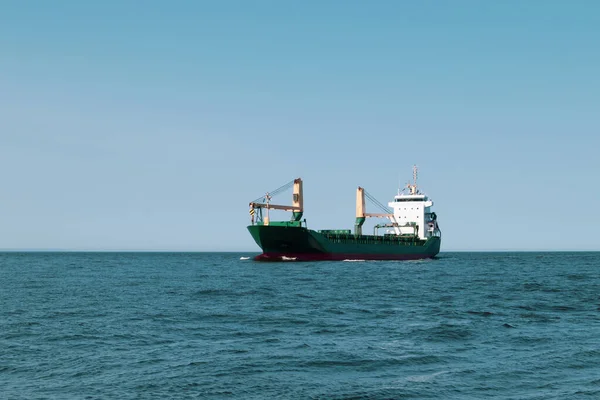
(336, 257)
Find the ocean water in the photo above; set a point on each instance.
(216, 326)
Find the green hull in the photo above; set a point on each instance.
(302, 244)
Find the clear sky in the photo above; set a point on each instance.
(150, 125)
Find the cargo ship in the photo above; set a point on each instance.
(411, 230)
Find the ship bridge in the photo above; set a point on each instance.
(410, 215)
(412, 212)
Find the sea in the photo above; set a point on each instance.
(221, 326)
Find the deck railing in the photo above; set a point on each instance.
(372, 239)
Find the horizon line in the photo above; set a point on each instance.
(58, 250)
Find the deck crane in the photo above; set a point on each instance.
(361, 215)
(264, 202)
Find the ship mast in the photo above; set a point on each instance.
(415, 175)
(413, 187)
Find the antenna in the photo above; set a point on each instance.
(415, 175)
(413, 187)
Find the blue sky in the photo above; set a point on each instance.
(150, 125)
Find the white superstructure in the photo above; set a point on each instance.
(412, 214)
